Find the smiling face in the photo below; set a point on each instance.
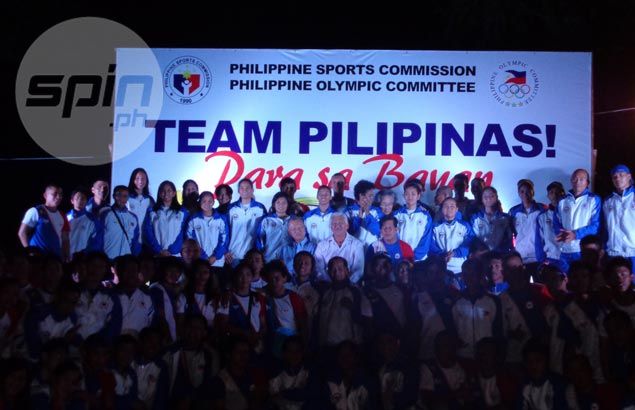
(167, 194)
(281, 206)
(140, 181)
(339, 225)
(365, 200)
(324, 197)
(207, 203)
(389, 231)
(386, 204)
(121, 198)
(53, 197)
(245, 191)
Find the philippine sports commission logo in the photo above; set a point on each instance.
(514, 84)
(187, 80)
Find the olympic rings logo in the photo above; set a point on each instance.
(514, 90)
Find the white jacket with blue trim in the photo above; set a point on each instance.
(114, 241)
(271, 235)
(619, 215)
(546, 245)
(415, 228)
(242, 226)
(318, 224)
(454, 236)
(164, 229)
(580, 215)
(525, 223)
(212, 233)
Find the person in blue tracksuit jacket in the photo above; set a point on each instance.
(525, 220)
(362, 216)
(547, 247)
(244, 216)
(99, 200)
(54, 320)
(297, 241)
(415, 223)
(271, 232)
(318, 221)
(99, 309)
(451, 237)
(164, 225)
(45, 227)
(491, 225)
(119, 227)
(210, 229)
(386, 203)
(140, 199)
(577, 215)
(84, 234)
(619, 215)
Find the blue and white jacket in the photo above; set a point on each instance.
(476, 319)
(525, 227)
(496, 232)
(43, 324)
(580, 215)
(164, 230)
(318, 224)
(546, 245)
(212, 233)
(46, 235)
(98, 311)
(415, 228)
(114, 241)
(365, 229)
(619, 215)
(84, 235)
(137, 311)
(243, 223)
(287, 252)
(453, 236)
(139, 205)
(271, 235)
(94, 209)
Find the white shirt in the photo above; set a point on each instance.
(352, 249)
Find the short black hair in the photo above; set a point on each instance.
(362, 187)
(387, 218)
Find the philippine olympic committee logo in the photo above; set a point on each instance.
(514, 84)
(187, 80)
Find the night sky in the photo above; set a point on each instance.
(606, 28)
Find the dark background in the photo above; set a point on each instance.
(606, 28)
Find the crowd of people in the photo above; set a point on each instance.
(358, 303)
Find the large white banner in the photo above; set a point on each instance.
(385, 116)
